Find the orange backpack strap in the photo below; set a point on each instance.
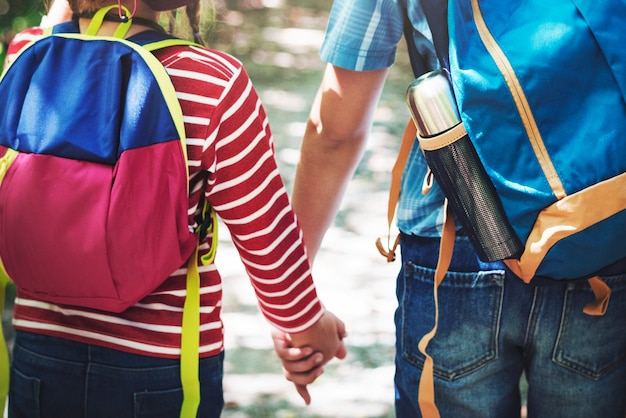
(426, 391)
(602, 292)
(406, 145)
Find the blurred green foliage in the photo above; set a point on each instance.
(17, 15)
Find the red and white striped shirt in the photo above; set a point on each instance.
(232, 165)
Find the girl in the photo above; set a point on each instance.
(76, 362)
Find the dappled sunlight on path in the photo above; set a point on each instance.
(358, 285)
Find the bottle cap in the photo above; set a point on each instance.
(432, 104)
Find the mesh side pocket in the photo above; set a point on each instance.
(474, 201)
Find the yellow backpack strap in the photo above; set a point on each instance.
(426, 390)
(408, 137)
(153, 46)
(190, 341)
(4, 352)
(190, 333)
(98, 18)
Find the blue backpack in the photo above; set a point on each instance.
(540, 89)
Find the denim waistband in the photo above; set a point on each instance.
(424, 251)
(73, 351)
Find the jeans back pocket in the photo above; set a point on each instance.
(470, 306)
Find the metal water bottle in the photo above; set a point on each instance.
(458, 170)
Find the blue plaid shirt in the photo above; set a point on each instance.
(363, 35)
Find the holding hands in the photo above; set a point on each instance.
(304, 353)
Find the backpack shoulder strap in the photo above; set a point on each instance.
(4, 351)
(436, 12)
(420, 47)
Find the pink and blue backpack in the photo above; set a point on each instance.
(94, 178)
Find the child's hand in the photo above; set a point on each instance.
(300, 365)
(325, 336)
(303, 354)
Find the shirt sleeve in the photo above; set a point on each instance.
(19, 42)
(248, 194)
(363, 35)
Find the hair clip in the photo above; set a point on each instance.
(124, 18)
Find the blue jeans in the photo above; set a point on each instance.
(53, 377)
(493, 327)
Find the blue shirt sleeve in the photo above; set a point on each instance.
(363, 35)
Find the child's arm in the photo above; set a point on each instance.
(249, 195)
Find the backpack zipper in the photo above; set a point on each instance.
(523, 107)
